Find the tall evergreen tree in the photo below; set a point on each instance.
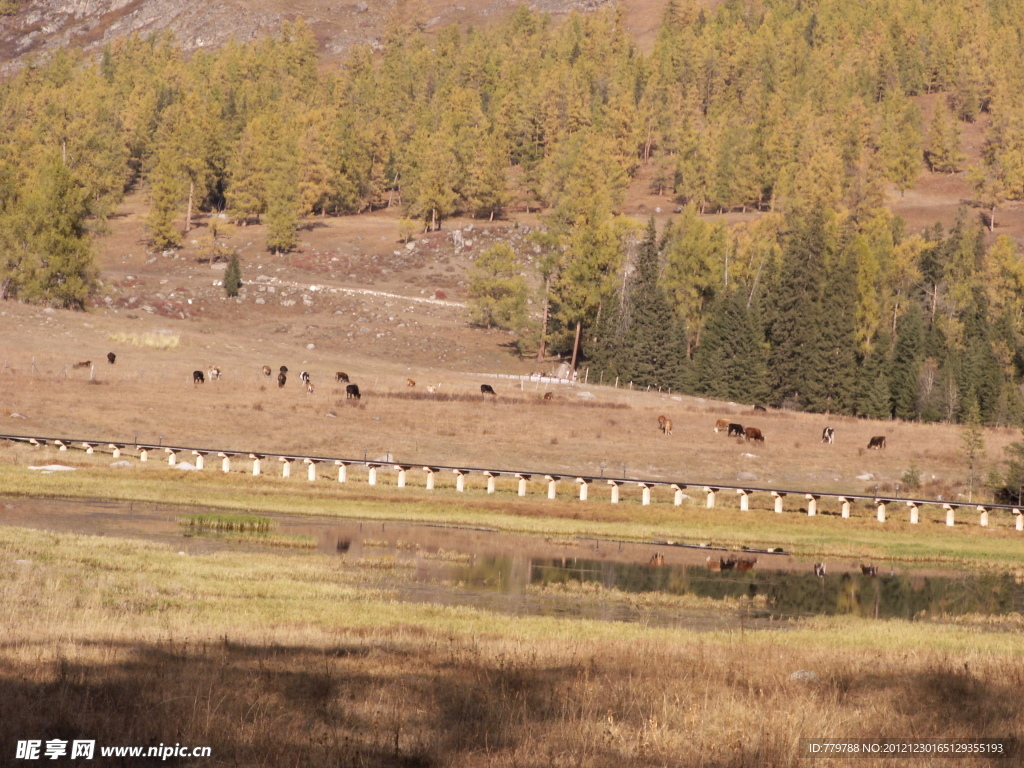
(797, 356)
(648, 328)
(906, 362)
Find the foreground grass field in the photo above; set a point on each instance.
(297, 659)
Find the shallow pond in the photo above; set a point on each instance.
(587, 578)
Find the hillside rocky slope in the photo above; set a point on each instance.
(42, 26)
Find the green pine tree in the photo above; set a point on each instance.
(233, 277)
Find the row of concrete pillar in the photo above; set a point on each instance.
(552, 481)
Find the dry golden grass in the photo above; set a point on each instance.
(284, 660)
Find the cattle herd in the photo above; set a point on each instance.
(828, 434)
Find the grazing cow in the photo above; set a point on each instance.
(657, 560)
(721, 424)
(549, 395)
(726, 565)
(283, 369)
(666, 426)
(753, 433)
(281, 380)
(819, 570)
(352, 390)
(828, 435)
(341, 378)
(735, 430)
(877, 442)
(266, 370)
(309, 387)
(214, 373)
(869, 570)
(760, 408)
(410, 383)
(111, 357)
(745, 563)
(198, 378)
(83, 364)
(487, 389)
(713, 565)
(305, 377)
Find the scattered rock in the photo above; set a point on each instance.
(804, 676)
(54, 468)
(184, 465)
(17, 416)
(121, 464)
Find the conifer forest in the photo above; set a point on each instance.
(804, 111)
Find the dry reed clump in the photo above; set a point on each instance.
(151, 340)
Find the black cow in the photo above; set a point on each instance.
(877, 442)
(487, 389)
(760, 408)
(736, 430)
(828, 435)
(352, 390)
(198, 378)
(281, 379)
(284, 369)
(111, 357)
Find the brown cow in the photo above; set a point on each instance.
(657, 560)
(266, 370)
(753, 433)
(745, 564)
(549, 395)
(877, 442)
(341, 378)
(410, 383)
(665, 425)
(83, 364)
(721, 424)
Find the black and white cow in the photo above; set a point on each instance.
(828, 435)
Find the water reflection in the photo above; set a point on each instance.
(509, 573)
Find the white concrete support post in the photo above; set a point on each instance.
(983, 519)
(116, 450)
(522, 483)
(286, 466)
(172, 457)
(552, 482)
(60, 445)
(744, 500)
(949, 515)
(143, 454)
(584, 485)
(778, 501)
(1020, 519)
(88, 447)
(711, 496)
(225, 464)
(615, 491)
(914, 516)
(812, 504)
(257, 464)
(490, 480)
(310, 469)
(677, 498)
(430, 477)
(401, 476)
(371, 474)
(200, 461)
(881, 511)
(845, 503)
(460, 480)
(342, 471)
(645, 494)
